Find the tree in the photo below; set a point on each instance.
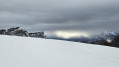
(11, 30)
(37, 34)
(115, 41)
(2, 31)
(20, 32)
(101, 42)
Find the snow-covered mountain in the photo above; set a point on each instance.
(109, 35)
(36, 52)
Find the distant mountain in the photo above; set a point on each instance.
(106, 35)
(110, 35)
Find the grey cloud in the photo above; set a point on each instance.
(89, 15)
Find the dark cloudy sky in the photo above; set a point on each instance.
(61, 16)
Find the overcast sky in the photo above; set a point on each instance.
(89, 16)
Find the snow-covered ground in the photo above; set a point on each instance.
(35, 52)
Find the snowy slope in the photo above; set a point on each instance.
(36, 52)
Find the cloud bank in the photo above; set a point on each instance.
(67, 15)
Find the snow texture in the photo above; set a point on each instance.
(35, 52)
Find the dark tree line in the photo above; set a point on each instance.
(2, 31)
(21, 32)
(114, 42)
